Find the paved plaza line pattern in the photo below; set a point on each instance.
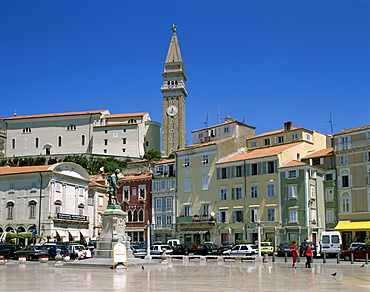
(191, 276)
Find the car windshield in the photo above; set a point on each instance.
(265, 244)
(254, 247)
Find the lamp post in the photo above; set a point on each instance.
(148, 226)
(259, 237)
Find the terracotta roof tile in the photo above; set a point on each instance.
(145, 175)
(203, 144)
(23, 169)
(165, 161)
(57, 115)
(353, 130)
(294, 163)
(323, 152)
(275, 132)
(263, 152)
(223, 124)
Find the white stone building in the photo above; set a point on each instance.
(89, 132)
(54, 197)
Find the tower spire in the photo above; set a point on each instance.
(174, 98)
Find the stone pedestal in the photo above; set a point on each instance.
(113, 231)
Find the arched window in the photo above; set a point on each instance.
(32, 208)
(83, 140)
(10, 208)
(37, 141)
(59, 141)
(13, 143)
(141, 215)
(134, 216)
(129, 216)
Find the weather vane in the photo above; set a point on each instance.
(173, 27)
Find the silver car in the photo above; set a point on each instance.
(242, 250)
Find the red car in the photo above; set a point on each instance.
(358, 253)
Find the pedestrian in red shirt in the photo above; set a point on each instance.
(294, 252)
(308, 254)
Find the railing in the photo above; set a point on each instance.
(194, 219)
(352, 145)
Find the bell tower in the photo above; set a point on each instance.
(174, 99)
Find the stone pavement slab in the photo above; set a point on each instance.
(194, 275)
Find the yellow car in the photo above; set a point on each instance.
(266, 247)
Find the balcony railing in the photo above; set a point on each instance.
(195, 219)
(352, 145)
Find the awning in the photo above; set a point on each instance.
(62, 233)
(74, 233)
(352, 225)
(85, 233)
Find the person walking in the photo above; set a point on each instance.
(308, 254)
(294, 252)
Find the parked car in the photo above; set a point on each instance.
(267, 247)
(8, 250)
(158, 249)
(303, 246)
(330, 243)
(32, 252)
(242, 250)
(207, 249)
(73, 249)
(284, 248)
(358, 253)
(138, 251)
(183, 249)
(354, 245)
(226, 246)
(52, 248)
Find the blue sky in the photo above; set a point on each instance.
(261, 62)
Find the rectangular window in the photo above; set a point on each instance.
(238, 216)
(186, 210)
(292, 191)
(270, 214)
(308, 137)
(58, 187)
(313, 192)
(133, 191)
(32, 210)
(226, 129)
(266, 142)
(222, 217)
(271, 167)
(254, 168)
(254, 191)
(158, 204)
(33, 186)
(124, 140)
(294, 136)
(187, 185)
(81, 211)
(239, 171)
(169, 204)
(236, 193)
(345, 181)
(279, 139)
(223, 194)
(205, 209)
(11, 188)
(101, 201)
(328, 176)
(329, 216)
(158, 220)
(126, 193)
(313, 216)
(105, 142)
(253, 144)
(344, 159)
(10, 207)
(329, 195)
(187, 162)
(254, 215)
(142, 192)
(293, 215)
(270, 190)
(205, 182)
(168, 220)
(292, 174)
(90, 200)
(205, 159)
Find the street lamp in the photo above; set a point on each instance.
(259, 237)
(148, 226)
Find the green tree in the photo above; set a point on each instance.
(153, 155)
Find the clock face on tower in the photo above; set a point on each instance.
(172, 110)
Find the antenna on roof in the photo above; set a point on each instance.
(331, 124)
(217, 109)
(206, 118)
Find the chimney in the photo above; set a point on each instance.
(287, 126)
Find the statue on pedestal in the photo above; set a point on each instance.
(112, 188)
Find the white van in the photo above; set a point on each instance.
(330, 243)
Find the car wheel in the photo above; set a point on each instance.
(347, 257)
